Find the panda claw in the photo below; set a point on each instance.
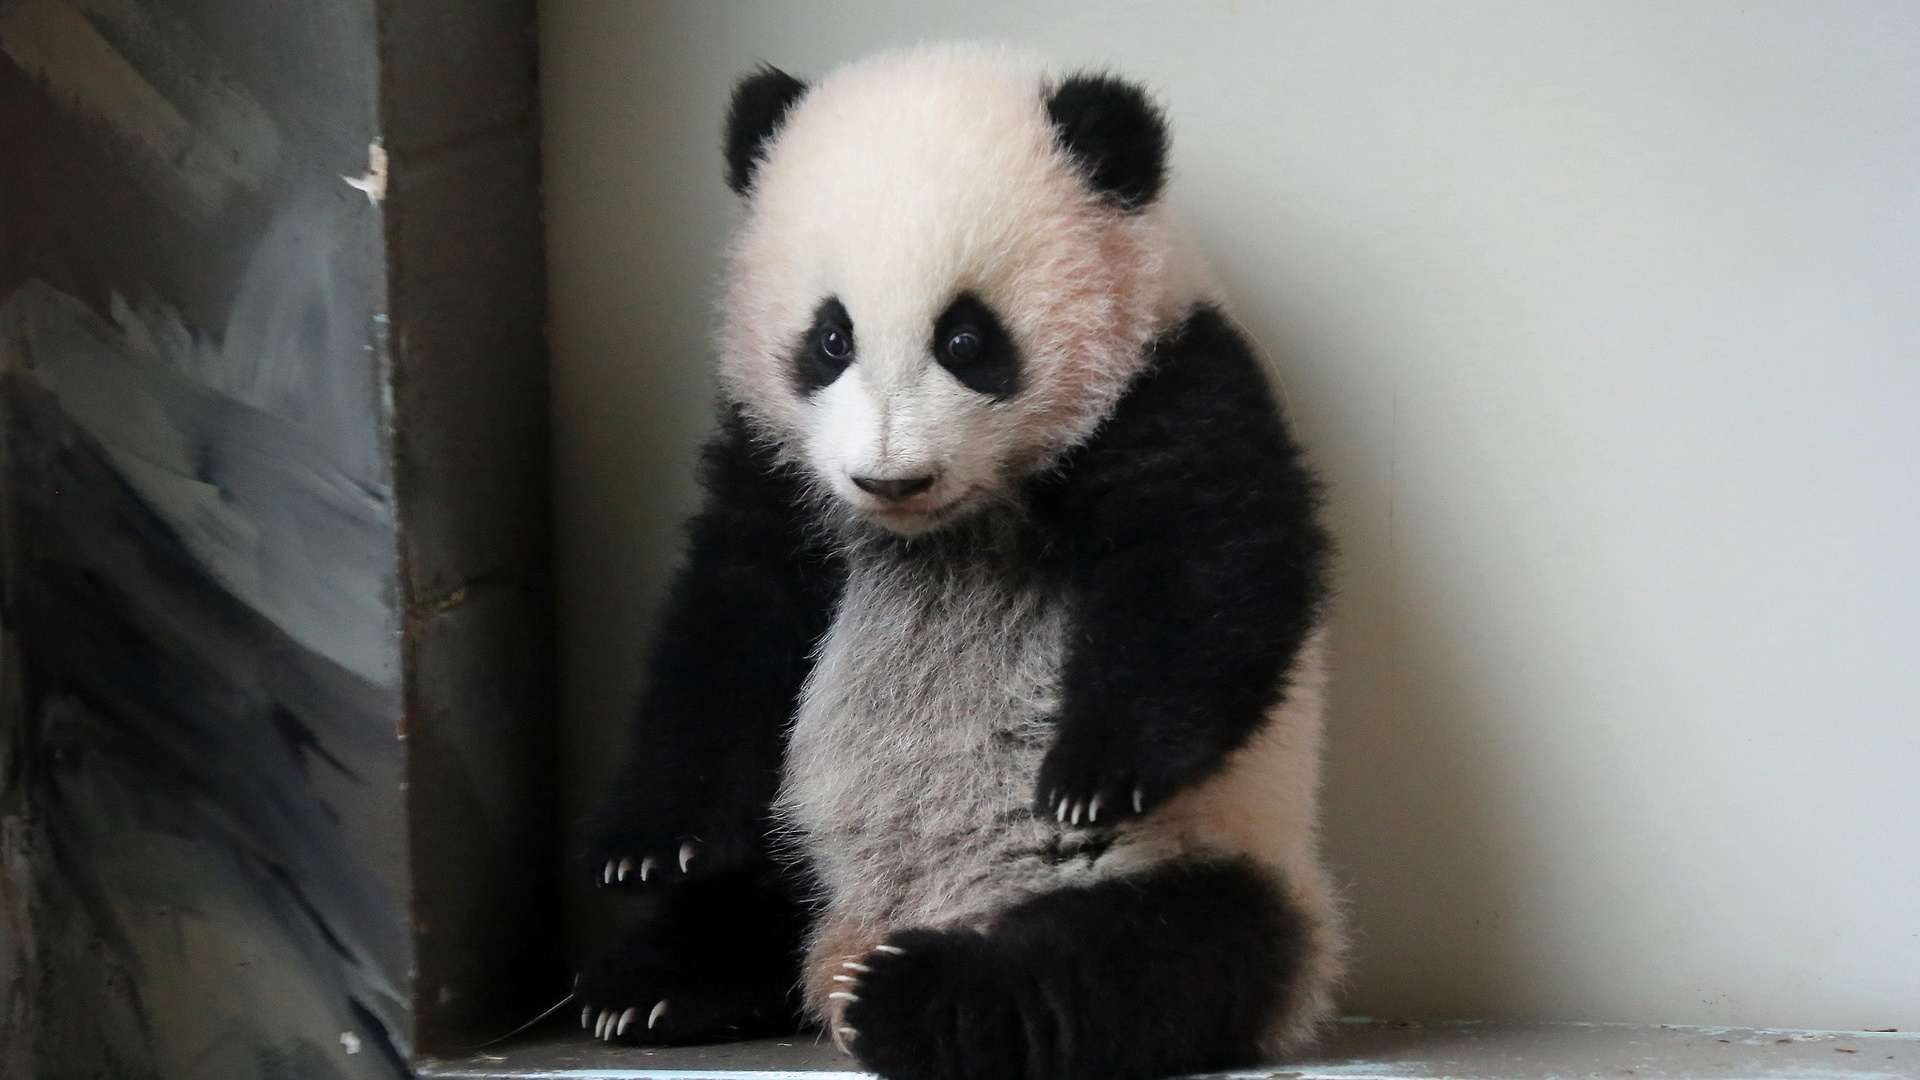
(1139, 797)
(586, 1017)
(851, 965)
(846, 979)
(890, 950)
(606, 875)
(1093, 810)
(686, 856)
(646, 868)
(600, 1024)
(625, 1019)
(1060, 811)
(842, 995)
(626, 867)
(659, 1011)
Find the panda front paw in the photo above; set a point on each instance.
(1098, 780)
(657, 850)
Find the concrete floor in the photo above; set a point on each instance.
(1355, 1050)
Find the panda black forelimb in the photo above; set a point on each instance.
(741, 620)
(1196, 572)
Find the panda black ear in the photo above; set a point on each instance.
(760, 103)
(1115, 134)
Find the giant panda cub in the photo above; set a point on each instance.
(984, 722)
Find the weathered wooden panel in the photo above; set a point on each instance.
(273, 456)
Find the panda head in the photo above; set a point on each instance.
(949, 270)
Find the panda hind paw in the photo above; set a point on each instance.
(931, 1003)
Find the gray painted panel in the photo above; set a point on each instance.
(274, 605)
(204, 842)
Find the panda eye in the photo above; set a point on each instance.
(835, 343)
(964, 346)
(973, 346)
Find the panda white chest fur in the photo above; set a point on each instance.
(919, 736)
(992, 684)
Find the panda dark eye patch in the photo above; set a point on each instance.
(827, 347)
(970, 343)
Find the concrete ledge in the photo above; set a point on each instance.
(1355, 1050)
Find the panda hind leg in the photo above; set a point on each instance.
(710, 959)
(1176, 970)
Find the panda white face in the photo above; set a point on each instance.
(927, 301)
(909, 433)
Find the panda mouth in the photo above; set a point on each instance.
(921, 513)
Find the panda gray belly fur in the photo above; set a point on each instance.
(909, 782)
(908, 790)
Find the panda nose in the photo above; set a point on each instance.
(899, 488)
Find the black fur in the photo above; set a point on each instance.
(735, 644)
(760, 104)
(812, 366)
(1165, 973)
(723, 952)
(1115, 134)
(1196, 569)
(994, 370)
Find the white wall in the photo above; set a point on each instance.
(1603, 320)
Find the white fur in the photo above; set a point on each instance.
(894, 185)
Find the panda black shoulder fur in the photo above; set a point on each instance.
(985, 721)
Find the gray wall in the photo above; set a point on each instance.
(1601, 320)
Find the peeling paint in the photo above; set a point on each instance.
(374, 181)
